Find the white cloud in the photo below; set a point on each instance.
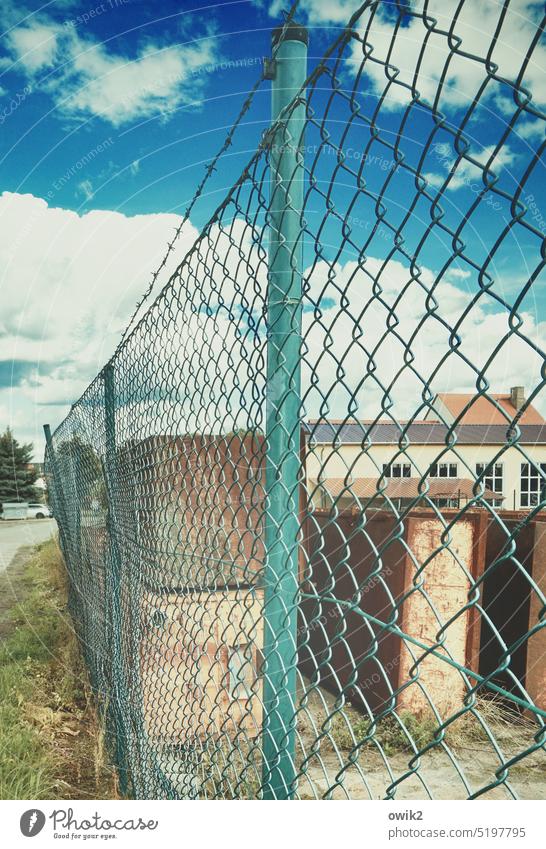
(319, 11)
(35, 46)
(70, 283)
(85, 188)
(466, 172)
(87, 79)
(476, 22)
(475, 26)
(458, 273)
(505, 104)
(68, 286)
(382, 330)
(529, 130)
(382, 336)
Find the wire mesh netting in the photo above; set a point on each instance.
(301, 515)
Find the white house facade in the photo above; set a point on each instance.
(453, 456)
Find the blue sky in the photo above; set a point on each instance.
(110, 111)
(157, 135)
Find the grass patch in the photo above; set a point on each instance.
(406, 733)
(50, 739)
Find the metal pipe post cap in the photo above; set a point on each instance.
(292, 32)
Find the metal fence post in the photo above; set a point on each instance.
(115, 562)
(58, 493)
(283, 414)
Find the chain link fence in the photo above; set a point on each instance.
(300, 511)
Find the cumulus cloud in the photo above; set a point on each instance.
(86, 78)
(69, 283)
(530, 130)
(388, 342)
(35, 46)
(474, 23)
(373, 333)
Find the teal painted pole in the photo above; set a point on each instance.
(118, 666)
(283, 414)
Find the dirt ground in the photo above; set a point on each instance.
(434, 776)
(332, 766)
(457, 769)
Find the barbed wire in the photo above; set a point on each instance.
(209, 170)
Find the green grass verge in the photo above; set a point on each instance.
(51, 744)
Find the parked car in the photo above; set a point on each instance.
(38, 511)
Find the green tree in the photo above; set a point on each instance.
(17, 472)
(82, 467)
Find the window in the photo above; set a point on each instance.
(492, 479)
(447, 502)
(443, 470)
(397, 470)
(533, 484)
(242, 672)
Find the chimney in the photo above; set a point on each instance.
(517, 396)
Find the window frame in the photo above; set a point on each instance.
(449, 502)
(388, 467)
(534, 472)
(449, 465)
(491, 477)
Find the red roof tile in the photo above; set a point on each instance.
(483, 411)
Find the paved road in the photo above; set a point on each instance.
(13, 535)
